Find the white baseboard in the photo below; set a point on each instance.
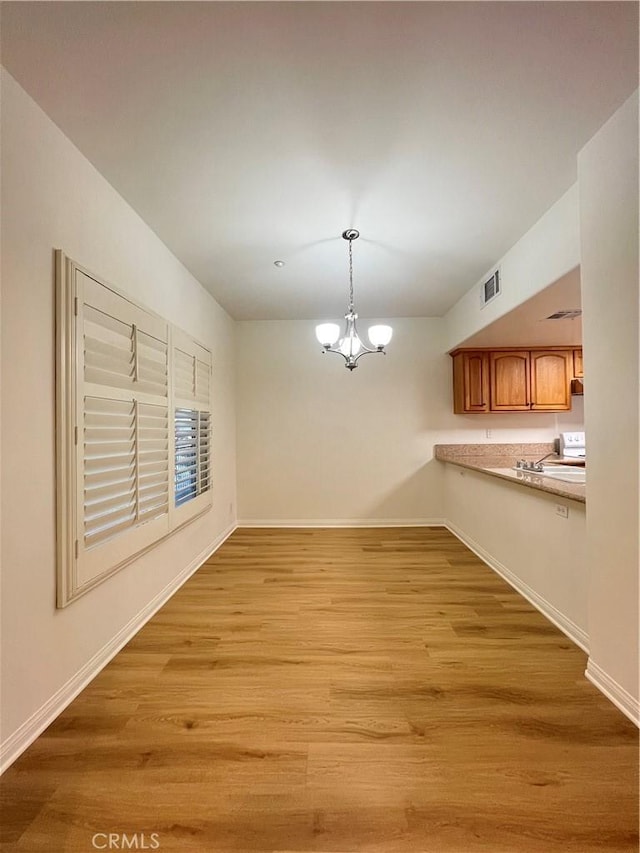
(24, 736)
(623, 700)
(573, 631)
(342, 522)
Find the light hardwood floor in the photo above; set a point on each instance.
(336, 690)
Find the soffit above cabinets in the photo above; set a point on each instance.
(529, 323)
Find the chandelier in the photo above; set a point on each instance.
(350, 346)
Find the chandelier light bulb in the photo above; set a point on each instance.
(350, 346)
(380, 335)
(327, 333)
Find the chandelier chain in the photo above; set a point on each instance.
(350, 274)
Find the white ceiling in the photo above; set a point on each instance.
(248, 132)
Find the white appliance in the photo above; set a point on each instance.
(572, 445)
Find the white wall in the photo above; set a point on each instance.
(52, 197)
(516, 427)
(317, 442)
(549, 250)
(608, 178)
(517, 531)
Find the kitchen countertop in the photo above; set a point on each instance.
(497, 460)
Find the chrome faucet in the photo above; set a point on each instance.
(534, 466)
(538, 465)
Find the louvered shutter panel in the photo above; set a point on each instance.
(192, 443)
(183, 375)
(108, 349)
(192, 427)
(186, 455)
(109, 468)
(151, 373)
(202, 383)
(205, 452)
(123, 449)
(153, 461)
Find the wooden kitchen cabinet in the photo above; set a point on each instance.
(471, 382)
(512, 380)
(578, 371)
(551, 374)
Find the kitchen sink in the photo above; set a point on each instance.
(565, 473)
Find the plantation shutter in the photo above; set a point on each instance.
(123, 429)
(191, 427)
(133, 429)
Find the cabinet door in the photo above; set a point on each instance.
(509, 380)
(470, 382)
(578, 370)
(551, 380)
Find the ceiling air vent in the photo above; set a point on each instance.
(571, 314)
(490, 288)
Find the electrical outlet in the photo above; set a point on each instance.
(562, 510)
(488, 433)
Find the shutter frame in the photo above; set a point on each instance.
(66, 431)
